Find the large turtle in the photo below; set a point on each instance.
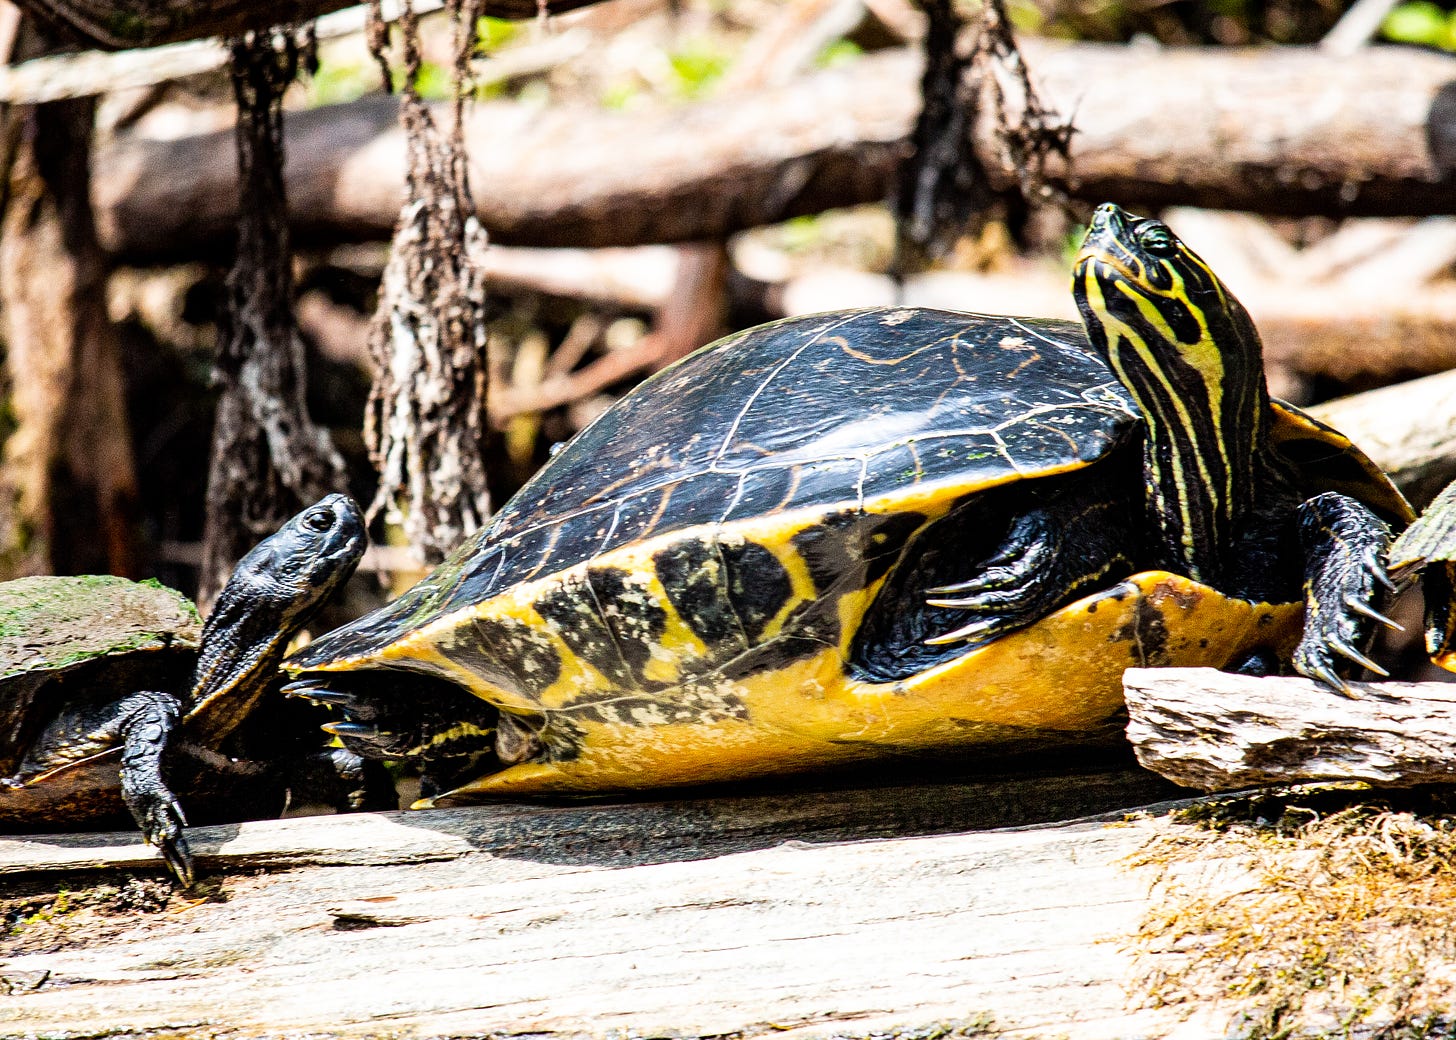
(91, 669)
(856, 534)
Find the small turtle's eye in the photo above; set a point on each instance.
(1155, 237)
(319, 520)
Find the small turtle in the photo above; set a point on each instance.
(90, 668)
(857, 534)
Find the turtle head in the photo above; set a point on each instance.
(1149, 301)
(274, 591)
(1188, 353)
(309, 557)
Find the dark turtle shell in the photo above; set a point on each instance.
(776, 419)
(66, 639)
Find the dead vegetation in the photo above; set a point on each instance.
(1307, 912)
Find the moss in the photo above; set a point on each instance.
(1327, 912)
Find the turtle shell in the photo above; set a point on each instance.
(65, 639)
(676, 595)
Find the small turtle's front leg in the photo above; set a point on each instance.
(141, 724)
(1344, 552)
(144, 724)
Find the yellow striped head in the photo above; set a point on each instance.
(1187, 352)
(1139, 288)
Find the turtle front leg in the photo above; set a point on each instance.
(1344, 545)
(144, 724)
(141, 724)
(1048, 555)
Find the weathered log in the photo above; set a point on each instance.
(1285, 131)
(1216, 731)
(125, 24)
(1408, 429)
(838, 913)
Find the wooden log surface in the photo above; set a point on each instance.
(1216, 731)
(1274, 131)
(832, 913)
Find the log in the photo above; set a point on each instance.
(128, 24)
(1408, 429)
(1217, 731)
(826, 914)
(1288, 131)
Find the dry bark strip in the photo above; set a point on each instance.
(1216, 731)
(1284, 131)
(126, 24)
(628, 920)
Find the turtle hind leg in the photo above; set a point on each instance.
(1344, 547)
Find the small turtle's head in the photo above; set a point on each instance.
(311, 555)
(274, 591)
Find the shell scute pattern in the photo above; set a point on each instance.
(776, 421)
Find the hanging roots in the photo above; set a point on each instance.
(425, 421)
(944, 185)
(268, 457)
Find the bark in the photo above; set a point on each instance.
(793, 914)
(1216, 731)
(67, 484)
(1288, 131)
(125, 24)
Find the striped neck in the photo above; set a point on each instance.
(1188, 354)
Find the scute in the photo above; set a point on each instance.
(776, 420)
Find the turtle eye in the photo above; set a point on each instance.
(319, 520)
(1156, 239)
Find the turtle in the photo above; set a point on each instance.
(855, 535)
(103, 681)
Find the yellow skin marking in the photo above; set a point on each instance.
(1204, 356)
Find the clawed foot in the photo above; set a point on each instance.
(1014, 585)
(365, 729)
(433, 719)
(1345, 546)
(162, 820)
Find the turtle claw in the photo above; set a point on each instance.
(161, 819)
(1359, 606)
(1351, 654)
(1343, 543)
(355, 730)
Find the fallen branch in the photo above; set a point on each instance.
(1216, 731)
(126, 24)
(1276, 131)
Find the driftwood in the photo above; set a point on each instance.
(1284, 131)
(1217, 731)
(126, 24)
(839, 913)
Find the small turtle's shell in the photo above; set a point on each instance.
(63, 638)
